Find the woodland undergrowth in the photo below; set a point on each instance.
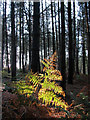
(43, 89)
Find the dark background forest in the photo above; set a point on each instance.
(34, 31)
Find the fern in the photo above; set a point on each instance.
(50, 92)
(44, 85)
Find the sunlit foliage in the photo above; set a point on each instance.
(45, 85)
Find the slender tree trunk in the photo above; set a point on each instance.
(3, 38)
(47, 27)
(20, 38)
(7, 63)
(63, 66)
(23, 51)
(89, 47)
(77, 51)
(56, 29)
(86, 17)
(59, 49)
(29, 38)
(88, 39)
(53, 37)
(26, 53)
(43, 32)
(74, 42)
(83, 50)
(70, 76)
(13, 42)
(36, 36)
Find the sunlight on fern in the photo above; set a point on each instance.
(45, 85)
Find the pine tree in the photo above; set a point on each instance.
(20, 37)
(23, 41)
(70, 76)
(63, 66)
(35, 49)
(13, 42)
(53, 37)
(29, 26)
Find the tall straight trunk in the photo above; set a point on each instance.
(47, 28)
(20, 38)
(36, 37)
(3, 38)
(83, 49)
(88, 39)
(70, 76)
(59, 49)
(63, 66)
(74, 42)
(53, 37)
(23, 51)
(13, 42)
(77, 51)
(7, 61)
(86, 17)
(29, 38)
(56, 28)
(89, 46)
(26, 53)
(43, 32)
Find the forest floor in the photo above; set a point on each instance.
(13, 110)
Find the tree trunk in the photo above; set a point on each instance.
(88, 39)
(63, 66)
(70, 76)
(53, 37)
(43, 32)
(7, 64)
(23, 38)
(59, 49)
(36, 29)
(3, 38)
(74, 42)
(83, 49)
(26, 53)
(89, 47)
(13, 42)
(47, 27)
(56, 29)
(29, 38)
(20, 38)
(77, 50)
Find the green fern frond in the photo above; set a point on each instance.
(49, 92)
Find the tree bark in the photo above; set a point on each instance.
(83, 50)
(7, 63)
(74, 42)
(43, 32)
(56, 29)
(23, 51)
(88, 39)
(59, 48)
(47, 27)
(36, 29)
(63, 66)
(3, 38)
(53, 37)
(13, 42)
(77, 50)
(20, 38)
(70, 76)
(29, 38)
